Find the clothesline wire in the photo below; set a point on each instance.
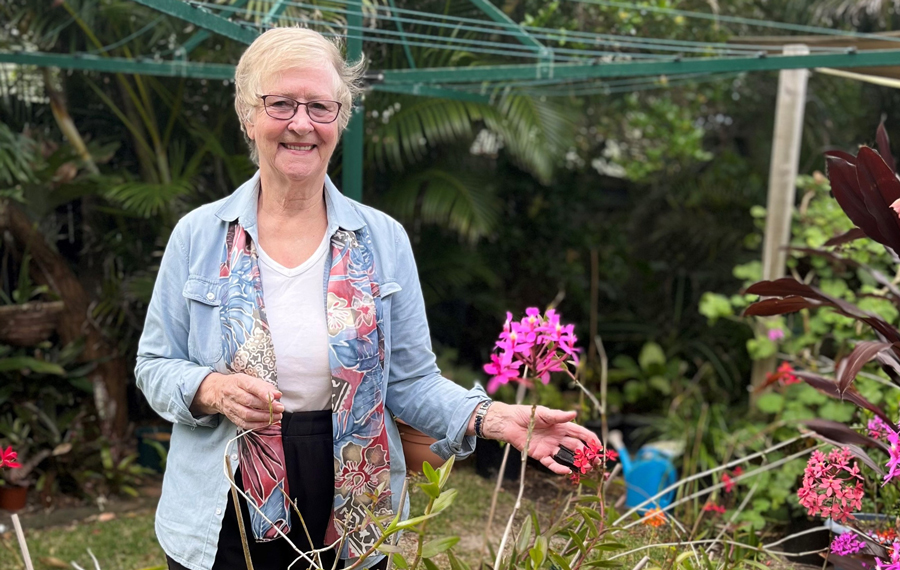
(511, 29)
(738, 20)
(577, 83)
(632, 87)
(504, 48)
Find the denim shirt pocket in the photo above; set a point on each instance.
(204, 298)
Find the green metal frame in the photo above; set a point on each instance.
(874, 58)
(198, 38)
(89, 62)
(499, 16)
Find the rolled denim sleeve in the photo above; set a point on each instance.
(417, 393)
(164, 371)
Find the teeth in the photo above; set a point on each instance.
(299, 147)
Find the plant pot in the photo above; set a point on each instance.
(29, 324)
(13, 497)
(417, 448)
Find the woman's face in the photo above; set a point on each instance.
(296, 149)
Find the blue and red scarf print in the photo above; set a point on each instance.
(356, 357)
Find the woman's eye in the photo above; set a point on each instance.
(316, 106)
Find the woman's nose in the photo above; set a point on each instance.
(300, 122)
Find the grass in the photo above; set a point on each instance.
(124, 543)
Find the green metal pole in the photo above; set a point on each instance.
(353, 136)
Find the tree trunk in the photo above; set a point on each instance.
(109, 379)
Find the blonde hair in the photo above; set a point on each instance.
(279, 49)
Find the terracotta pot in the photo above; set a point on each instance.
(416, 448)
(13, 497)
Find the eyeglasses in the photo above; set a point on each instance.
(284, 108)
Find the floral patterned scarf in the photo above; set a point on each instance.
(356, 358)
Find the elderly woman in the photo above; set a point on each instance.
(287, 332)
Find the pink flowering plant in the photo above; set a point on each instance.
(832, 485)
(532, 347)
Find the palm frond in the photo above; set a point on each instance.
(464, 203)
(536, 133)
(146, 199)
(18, 157)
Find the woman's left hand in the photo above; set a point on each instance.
(553, 429)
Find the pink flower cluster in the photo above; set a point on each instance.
(893, 464)
(538, 342)
(846, 544)
(832, 486)
(894, 563)
(877, 428)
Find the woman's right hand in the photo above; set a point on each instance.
(241, 398)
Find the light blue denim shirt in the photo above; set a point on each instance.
(181, 344)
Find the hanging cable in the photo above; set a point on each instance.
(739, 20)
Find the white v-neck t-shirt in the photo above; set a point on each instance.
(295, 308)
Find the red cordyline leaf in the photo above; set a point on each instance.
(878, 276)
(792, 291)
(840, 433)
(851, 365)
(880, 188)
(830, 388)
(884, 146)
(841, 170)
(846, 237)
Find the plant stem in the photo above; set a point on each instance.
(421, 536)
(518, 504)
(520, 395)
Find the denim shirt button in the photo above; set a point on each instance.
(234, 457)
(218, 511)
(210, 296)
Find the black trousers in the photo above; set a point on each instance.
(309, 459)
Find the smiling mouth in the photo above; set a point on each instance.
(298, 146)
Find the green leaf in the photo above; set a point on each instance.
(770, 403)
(538, 553)
(651, 354)
(32, 364)
(559, 562)
(409, 523)
(386, 548)
(456, 563)
(431, 489)
(609, 546)
(602, 564)
(445, 471)
(434, 547)
(524, 536)
(445, 500)
(430, 473)
(429, 565)
(400, 562)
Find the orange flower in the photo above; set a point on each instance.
(654, 518)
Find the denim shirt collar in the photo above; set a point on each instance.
(243, 202)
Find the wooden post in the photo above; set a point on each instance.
(352, 151)
(789, 109)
